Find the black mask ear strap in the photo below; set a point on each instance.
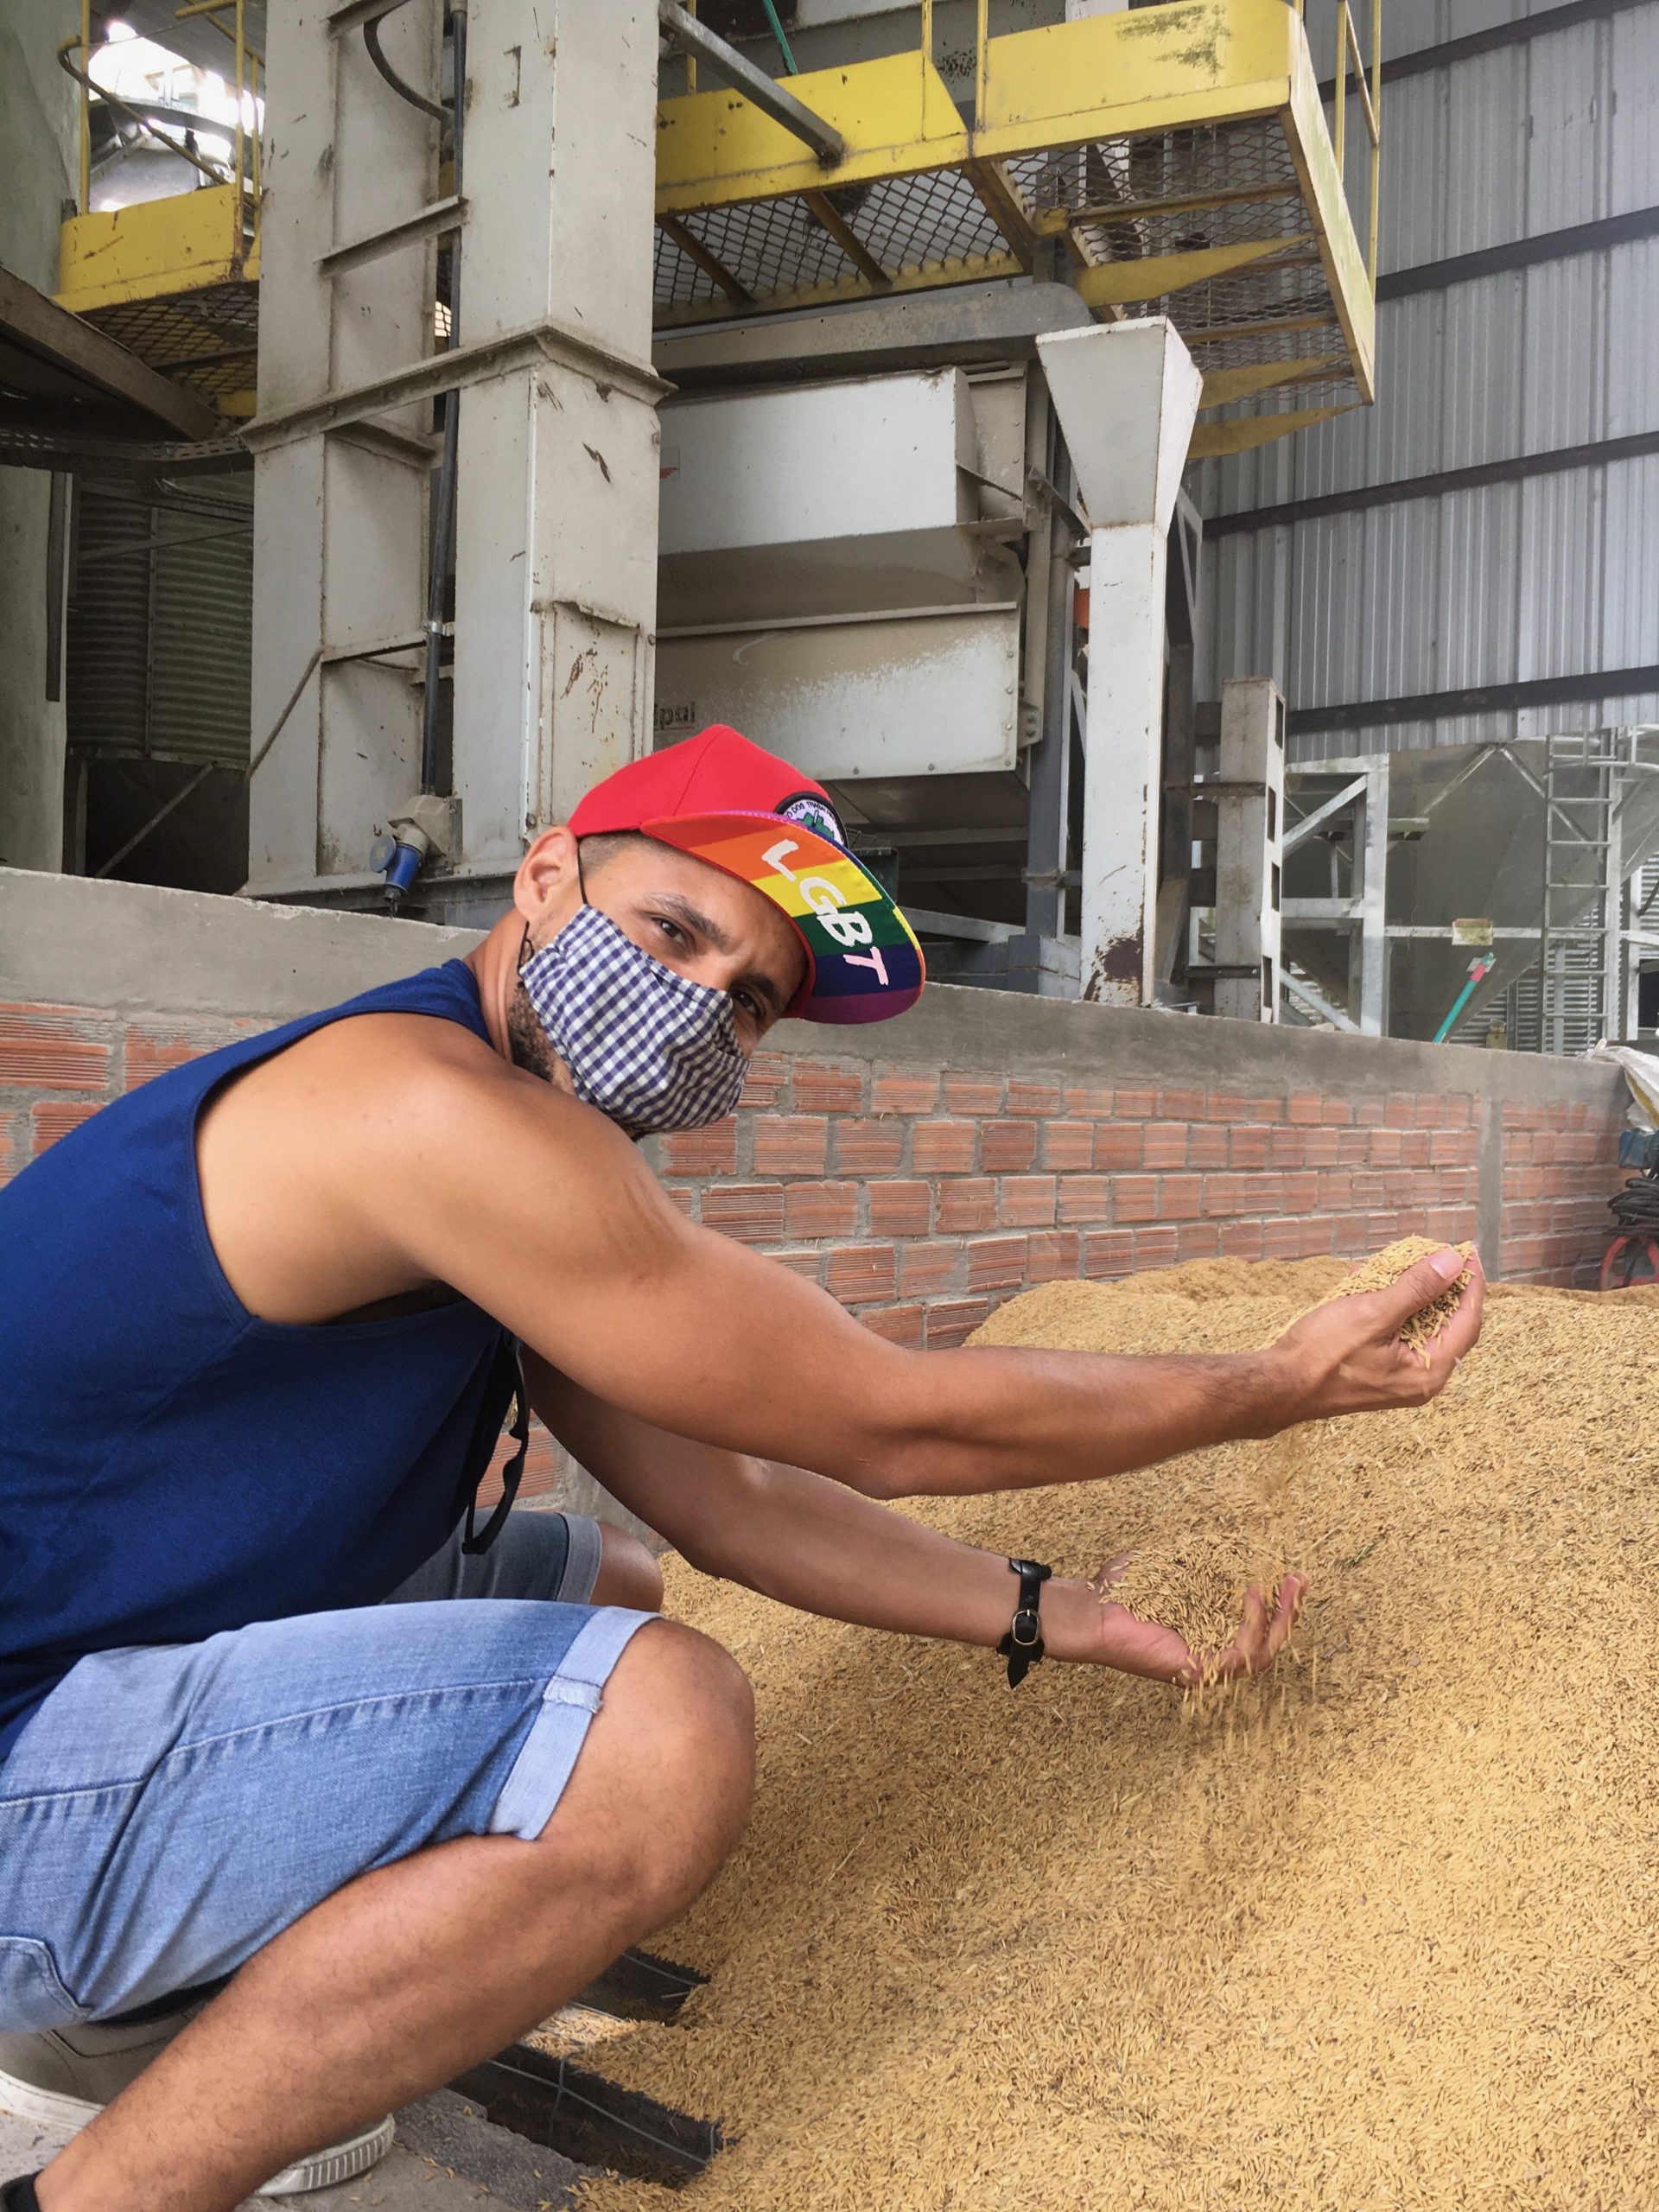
(524, 942)
(511, 1475)
(1022, 1647)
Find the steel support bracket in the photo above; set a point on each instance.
(433, 221)
(452, 372)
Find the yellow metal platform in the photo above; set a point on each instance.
(1172, 160)
(1178, 155)
(177, 280)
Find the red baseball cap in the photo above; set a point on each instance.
(727, 801)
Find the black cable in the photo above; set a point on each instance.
(685, 1978)
(682, 2154)
(443, 535)
(1637, 1206)
(443, 530)
(371, 40)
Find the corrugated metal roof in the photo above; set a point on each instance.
(1557, 575)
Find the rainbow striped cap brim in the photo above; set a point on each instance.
(863, 962)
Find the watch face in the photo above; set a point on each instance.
(813, 813)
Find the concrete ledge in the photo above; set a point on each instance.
(67, 940)
(957, 1026)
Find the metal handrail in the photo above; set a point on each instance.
(243, 173)
(1364, 89)
(1350, 62)
(246, 83)
(88, 86)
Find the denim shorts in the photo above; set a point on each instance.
(169, 1809)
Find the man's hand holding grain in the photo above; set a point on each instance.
(1359, 1354)
(1362, 1351)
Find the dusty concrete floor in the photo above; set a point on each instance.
(448, 2158)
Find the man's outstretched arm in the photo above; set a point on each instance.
(539, 1211)
(813, 1544)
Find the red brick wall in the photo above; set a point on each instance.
(59, 1064)
(1559, 1169)
(923, 1196)
(922, 1199)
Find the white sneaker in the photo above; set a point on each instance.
(64, 2077)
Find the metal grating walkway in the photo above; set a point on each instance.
(1200, 183)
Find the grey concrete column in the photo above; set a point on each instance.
(37, 141)
(555, 588)
(1126, 395)
(339, 511)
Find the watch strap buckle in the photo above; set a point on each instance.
(1022, 1647)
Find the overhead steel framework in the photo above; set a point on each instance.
(1158, 193)
(1173, 160)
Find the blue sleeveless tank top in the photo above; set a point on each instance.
(170, 1466)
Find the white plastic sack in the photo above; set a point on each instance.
(1642, 1073)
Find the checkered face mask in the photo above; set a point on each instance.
(651, 1050)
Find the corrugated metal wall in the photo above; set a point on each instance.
(160, 617)
(1554, 576)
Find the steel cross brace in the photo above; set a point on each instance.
(742, 76)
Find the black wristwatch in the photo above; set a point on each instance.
(1022, 1647)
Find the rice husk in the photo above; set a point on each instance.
(1385, 1268)
(1194, 1581)
(1374, 1933)
(1193, 1575)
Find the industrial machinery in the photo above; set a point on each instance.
(928, 338)
(1529, 859)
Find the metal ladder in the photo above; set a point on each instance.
(1580, 953)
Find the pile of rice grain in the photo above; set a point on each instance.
(1373, 1934)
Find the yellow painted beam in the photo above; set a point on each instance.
(895, 114)
(1274, 326)
(157, 247)
(1113, 284)
(825, 210)
(1107, 77)
(1223, 387)
(1146, 69)
(972, 269)
(999, 197)
(1052, 221)
(693, 248)
(1210, 441)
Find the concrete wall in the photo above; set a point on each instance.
(925, 1170)
(38, 163)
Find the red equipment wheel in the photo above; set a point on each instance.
(1630, 1259)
